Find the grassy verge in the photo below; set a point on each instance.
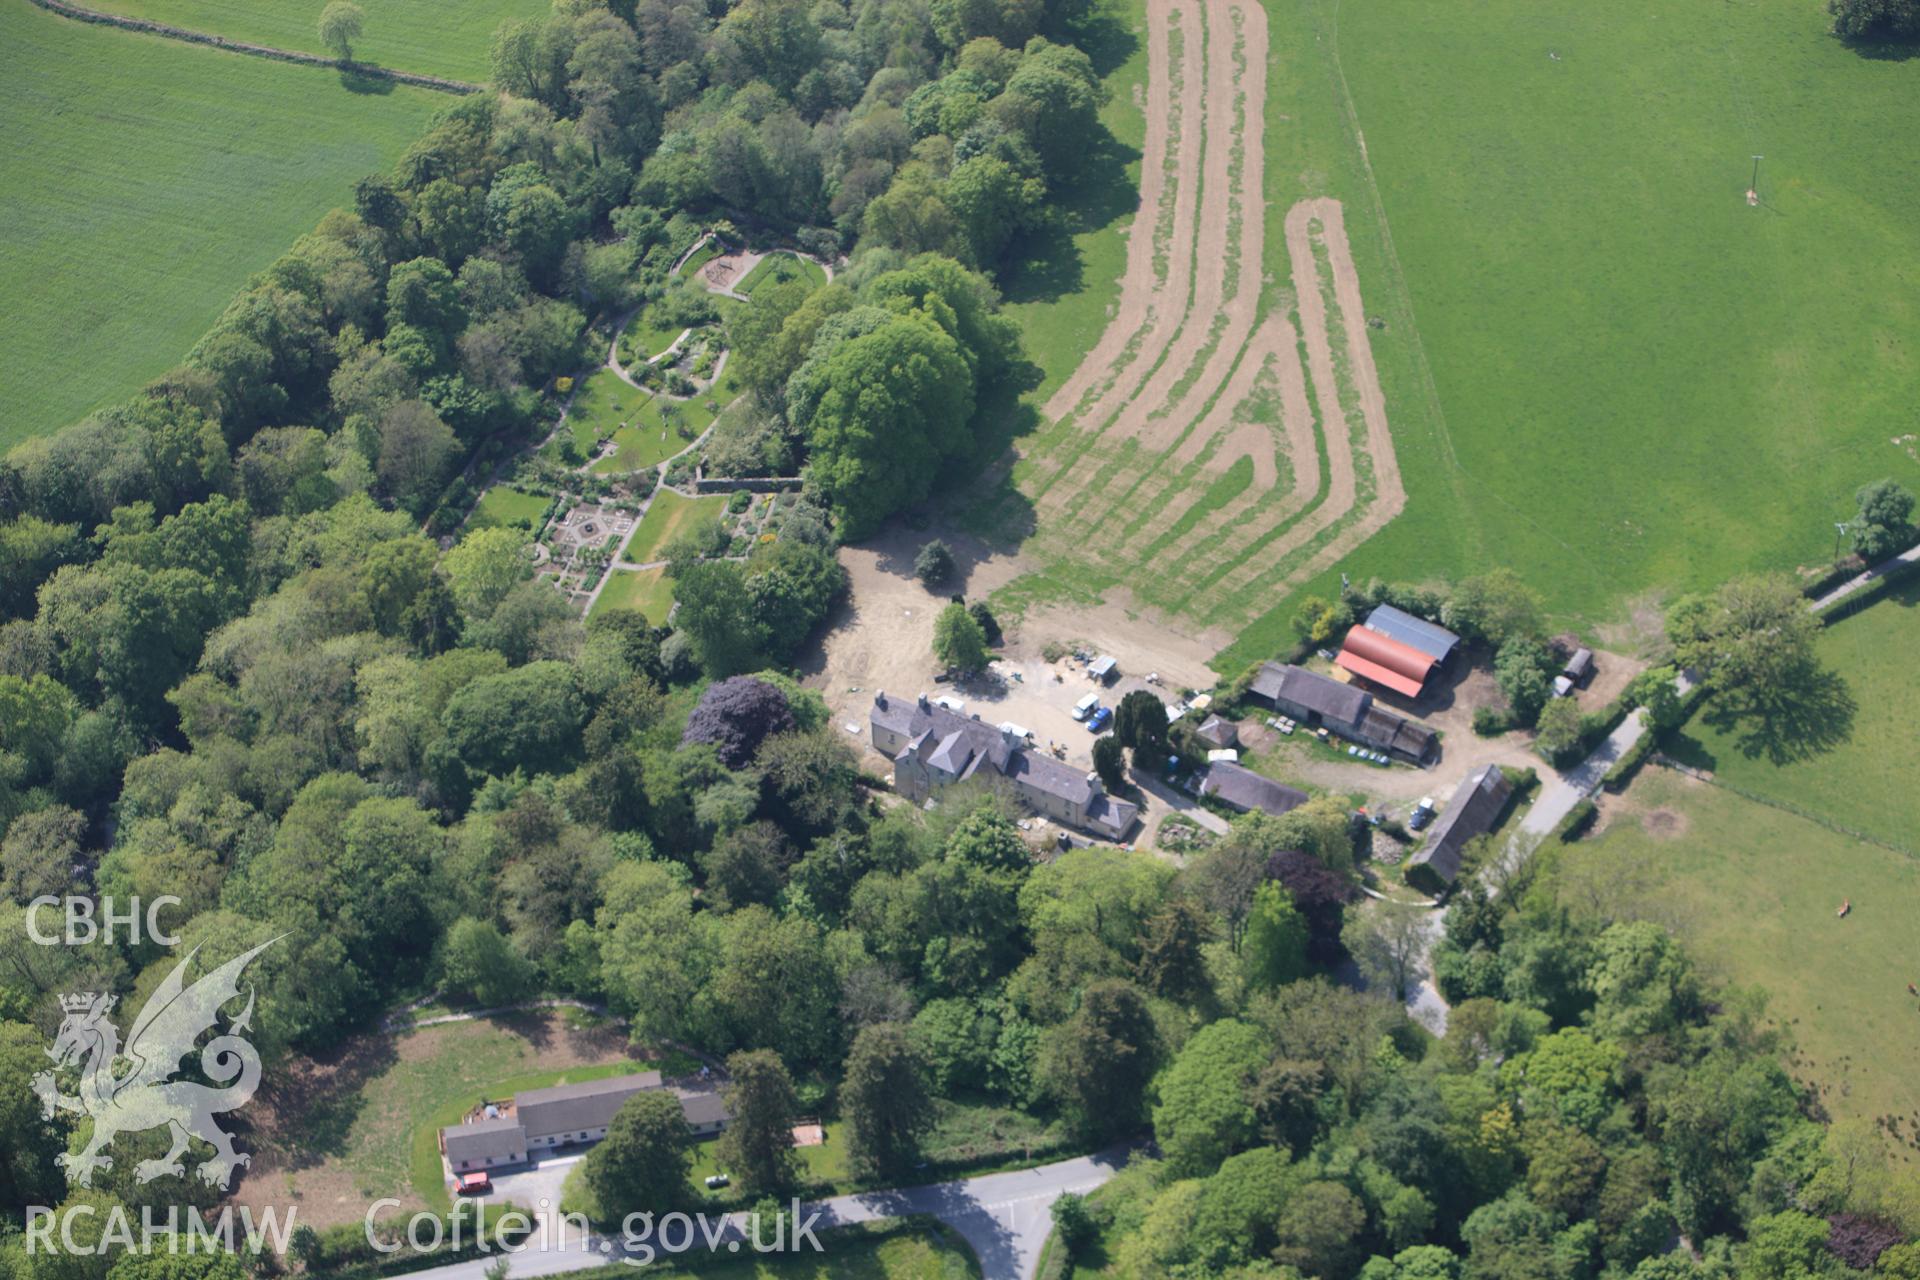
(969, 1138)
(146, 181)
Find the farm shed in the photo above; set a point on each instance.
(1103, 668)
(1239, 787)
(1475, 807)
(1579, 668)
(1218, 733)
(1429, 638)
(1385, 661)
(1320, 703)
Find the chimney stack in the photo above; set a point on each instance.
(880, 699)
(1093, 781)
(923, 701)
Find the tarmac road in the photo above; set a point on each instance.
(1005, 1217)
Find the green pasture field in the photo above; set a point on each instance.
(1753, 891)
(781, 265)
(647, 590)
(1849, 751)
(1601, 366)
(505, 505)
(670, 512)
(1638, 382)
(450, 40)
(147, 179)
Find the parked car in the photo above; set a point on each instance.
(1100, 719)
(718, 1180)
(474, 1184)
(1422, 813)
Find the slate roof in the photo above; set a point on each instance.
(577, 1108)
(702, 1107)
(1242, 788)
(1397, 733)
(944, 739)
(1216, 732)
(1472, 811)
(482, 1140)
(1336, 702)
(1429, 638)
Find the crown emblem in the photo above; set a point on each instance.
(79, 1002)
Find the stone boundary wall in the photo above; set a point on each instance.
(746, 484)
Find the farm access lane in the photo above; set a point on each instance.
(1004, 1217)
(1558, 798)
(1896, 564)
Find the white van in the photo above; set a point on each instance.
(1084, 708)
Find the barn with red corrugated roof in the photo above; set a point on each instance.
(1384, 661)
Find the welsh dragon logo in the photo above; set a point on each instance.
(143, 1094)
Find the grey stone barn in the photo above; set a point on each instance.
(932, 748)
(1343, 710)
(1240, 788)
(1476, 805)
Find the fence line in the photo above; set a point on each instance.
(80, 13)
(1785, 806)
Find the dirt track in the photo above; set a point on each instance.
(1191, 446)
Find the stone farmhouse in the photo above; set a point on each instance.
(932, 748)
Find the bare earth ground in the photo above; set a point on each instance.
(316, 1120)
(882, 639)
